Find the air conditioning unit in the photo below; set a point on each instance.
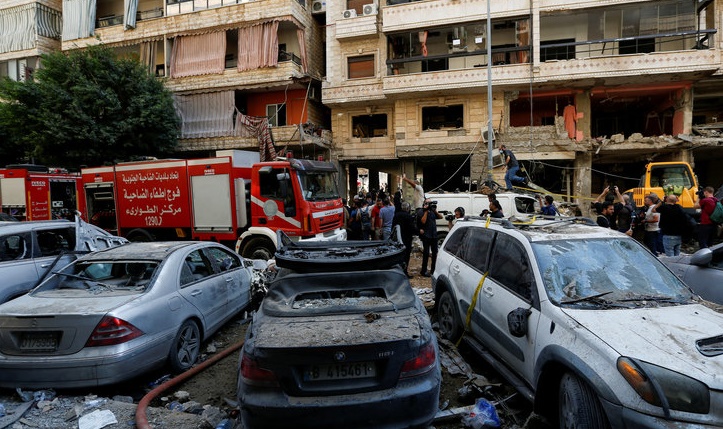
(318, 6)
(370, 9)
(350, 13)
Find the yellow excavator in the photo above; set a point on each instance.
(665, 178)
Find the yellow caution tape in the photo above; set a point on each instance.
(472, 305)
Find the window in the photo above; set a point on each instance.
(53, 242)
(14, 247)
(476, 246)
(195, 267)
(439, 117)
(224, 259)
(276, 114)
(454, 242)
(369, 126)
(510, 267)
(359, 67)
(548, 53)
(274, 183)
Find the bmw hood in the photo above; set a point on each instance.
(685, 338)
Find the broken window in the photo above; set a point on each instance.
(365, 126)
(646, 27)
(276, 114)
(442, 117)
(458, 47)
(360, 66)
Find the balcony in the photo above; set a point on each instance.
(232, 78)
(358, 26)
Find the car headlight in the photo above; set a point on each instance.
(665, 388)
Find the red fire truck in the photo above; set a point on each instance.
(34, 192)
(231, 198)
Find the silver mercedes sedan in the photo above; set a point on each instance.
(114, 314)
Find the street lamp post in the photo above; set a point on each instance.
(490, 132)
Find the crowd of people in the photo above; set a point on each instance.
(664, 225)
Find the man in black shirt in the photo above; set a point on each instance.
(512, 168)
(673, 224)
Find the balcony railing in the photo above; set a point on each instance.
(568, 50)
(696, 39)
(149, 14)
(108, 21)
(289, 56)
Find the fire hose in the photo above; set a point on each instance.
(141, 415)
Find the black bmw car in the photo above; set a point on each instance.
(340, 340)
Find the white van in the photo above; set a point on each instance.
(513, 204)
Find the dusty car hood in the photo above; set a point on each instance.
(347, 330)
(664, 336)
(92, 304)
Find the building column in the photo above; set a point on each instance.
(583, 108)
(373, 179)
(582, 178)
(352, 177)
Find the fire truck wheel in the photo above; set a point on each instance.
(139, 235)
(259, 248)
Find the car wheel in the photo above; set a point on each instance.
(186, 347)
(139, 236)
(259, 248)
(450, 327)
(579, 405)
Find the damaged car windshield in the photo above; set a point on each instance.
(616, 270)
(318, 186)
(99, 276)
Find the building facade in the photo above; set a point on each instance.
(244, 73)
(28, 29)
(585, 93)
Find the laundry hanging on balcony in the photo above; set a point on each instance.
(254, 126)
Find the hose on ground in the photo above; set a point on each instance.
(141, 415)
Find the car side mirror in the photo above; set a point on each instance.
(517, 321)
(702, 257)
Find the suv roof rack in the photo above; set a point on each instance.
(352, 255)
(554, 221)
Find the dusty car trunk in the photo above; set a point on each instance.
(331, 333)
(348, 353)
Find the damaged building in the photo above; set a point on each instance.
(244, 74)
(584, 93)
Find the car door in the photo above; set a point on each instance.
(53, 247)
(705, 280)
(17, 268)
(510, 292)
(204, 288)
(466, 272)
(236, 276)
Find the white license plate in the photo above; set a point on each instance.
(340, 371)
(39, 341)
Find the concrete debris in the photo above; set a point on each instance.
(13, 414)
(97, 419)
(121, 398)
(451, 360)
(182, 396)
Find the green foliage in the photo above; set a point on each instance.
(88, 107)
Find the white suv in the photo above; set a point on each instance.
(584, 321)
